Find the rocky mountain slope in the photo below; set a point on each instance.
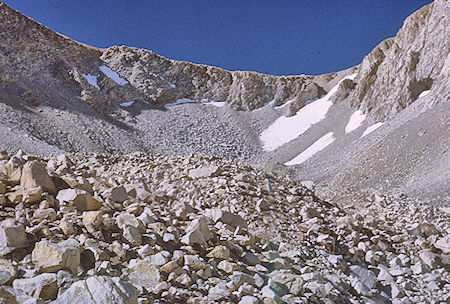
(171, 182)
(57, 95)
(158, 229)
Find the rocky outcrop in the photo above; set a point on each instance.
(399, 69)
(164, 80)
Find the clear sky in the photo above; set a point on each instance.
(282, 37)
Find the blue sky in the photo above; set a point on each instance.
(281, 37)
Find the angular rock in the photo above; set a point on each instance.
(43, 286)
(117, 194)
(67, 227)
(227, 217)
(7, 271)
(92, 220)
(99, 290)
(12, 236)
(367, 277)
(132, 235)
(429, 258)
(144, 274)
(50, 257)
(219, 252)
(80, 198)
(443, 244)
(197, 232)
(35, 175)
(29, 196)
(194, 262)
(128, 219)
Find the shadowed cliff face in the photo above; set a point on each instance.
(417, 59)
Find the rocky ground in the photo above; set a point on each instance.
(159, 229)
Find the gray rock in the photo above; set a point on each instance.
(12, 236)
(43, 286)
(197, 232)
(367, 277)
(7, 271)
(92, 291)
(227, 217)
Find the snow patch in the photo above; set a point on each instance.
(180, 101)
(424, 93)
(355, 121)
(91, 79)
(172, 85)
(371, 129)
(285, 129)
(319, 145)
(127, 103)
(113, 75)
(218, 104)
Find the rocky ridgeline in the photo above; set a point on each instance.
(155, 229)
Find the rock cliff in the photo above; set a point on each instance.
(399, 69)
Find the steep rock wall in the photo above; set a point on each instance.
(393, 75)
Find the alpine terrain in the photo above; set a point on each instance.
(127, 177)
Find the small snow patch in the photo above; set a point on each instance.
(127, 103)
(180, 101)
(355, 121)
(91, 79)
(113, 75)
(172, 85)
(319, 145)
(424, 93)
(371, 129)
(285, 129)
(218, 104)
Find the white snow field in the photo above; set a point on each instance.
(319, 145)
(113, 75)
(371, 129)
(91, 79)
(285, 129)
(355, 121)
